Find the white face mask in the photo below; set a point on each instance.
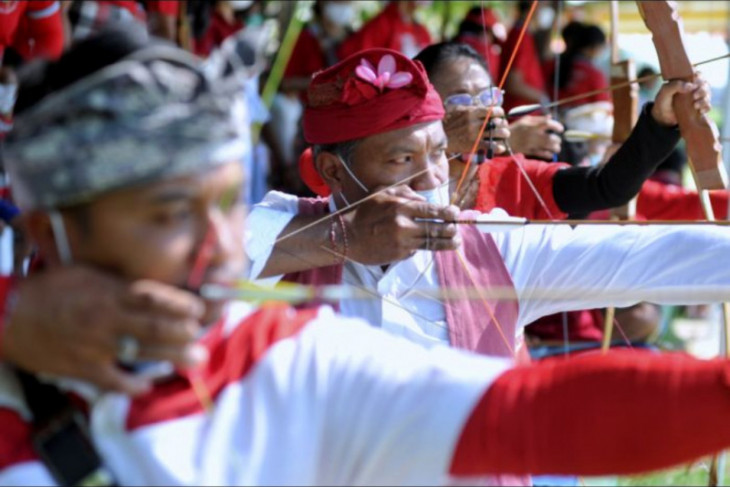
(545, 17)
(8, 95)
(339, 13)
(437, 196)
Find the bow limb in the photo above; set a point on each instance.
(700, 133)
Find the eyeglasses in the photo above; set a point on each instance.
(489, 97)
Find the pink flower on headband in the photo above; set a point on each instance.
(387, 76)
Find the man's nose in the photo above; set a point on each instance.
(430, 178)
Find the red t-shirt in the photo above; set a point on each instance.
(388, 30)
(526, 62)
(502, 185)
(39, 21)
(584, 78)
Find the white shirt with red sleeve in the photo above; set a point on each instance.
(554, 268)
(299, 399)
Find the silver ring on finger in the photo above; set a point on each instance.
(127, 349)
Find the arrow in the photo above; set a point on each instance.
(526, 109)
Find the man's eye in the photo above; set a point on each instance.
(403, 160)
(172, 216)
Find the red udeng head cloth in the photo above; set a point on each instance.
(371, 92)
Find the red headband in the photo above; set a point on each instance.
(371, 92)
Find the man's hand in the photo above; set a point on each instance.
(462, 126)
(535, 136)
(383, 229)
(663, 109)
(68, 322)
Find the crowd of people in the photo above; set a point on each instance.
(381, 316)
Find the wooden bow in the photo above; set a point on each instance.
(700, 133)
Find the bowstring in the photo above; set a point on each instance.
(502, 81)
(474, 150)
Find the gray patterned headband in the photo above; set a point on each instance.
(156, 113)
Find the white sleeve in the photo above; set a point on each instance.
(597, 266)
(389, 412)
(264, 224)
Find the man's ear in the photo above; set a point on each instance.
(330, 168)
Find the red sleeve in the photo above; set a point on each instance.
(164, 7)
(42, 24)
(659, 201)
(531, 196)
(621, 413)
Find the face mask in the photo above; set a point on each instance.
(254, 20)
(438, 196)
(339, 13)
(8, 95)
(545, 17)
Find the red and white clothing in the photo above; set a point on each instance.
(34, 28)
(389, 30)
(308, 398)
(585, 267)
(484, 326)
(298, 400)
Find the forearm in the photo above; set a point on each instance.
(308, 247)
(621, 413)
(561, 269)
(583, 189)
